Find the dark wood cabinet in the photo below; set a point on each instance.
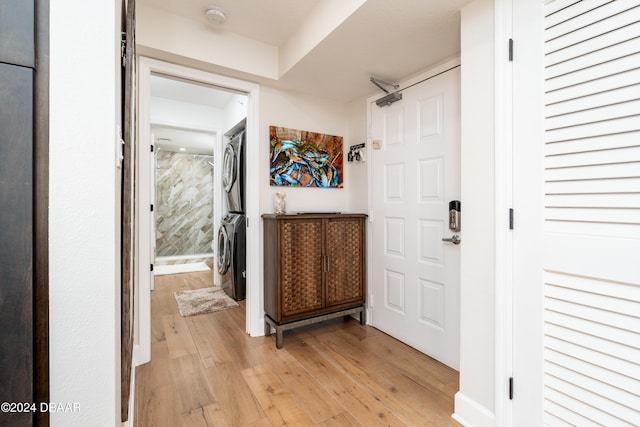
(24, 130)
(18, 32)
(314, 268)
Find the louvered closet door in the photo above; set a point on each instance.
(591, 274)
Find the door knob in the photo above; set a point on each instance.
(455, 239)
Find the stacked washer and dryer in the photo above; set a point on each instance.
(232, 232)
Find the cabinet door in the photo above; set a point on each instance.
(300, 267)
(345, 262)
(17, 32)
(16, 235)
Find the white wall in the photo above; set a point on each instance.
(84, 291)
(475, 401)
(356, 172)
(196, 116)
(286, 109)
(234, 111)
(279, 108)
(185, 115)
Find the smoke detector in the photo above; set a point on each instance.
(215, 14)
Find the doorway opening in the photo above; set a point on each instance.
(183, 116)
(183, 198)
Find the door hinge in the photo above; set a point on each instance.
(123, 49)
(510, 218)
(152, 148)
(510, 49)
(511, 388)
(151, 206)
(151, 267)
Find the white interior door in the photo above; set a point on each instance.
(415, 285)
(577, 286)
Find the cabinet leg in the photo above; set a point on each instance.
(279, 337)
(363, 317)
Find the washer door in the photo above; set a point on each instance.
(229, 168)
(224, 250)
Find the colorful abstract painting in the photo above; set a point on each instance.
(305, 159)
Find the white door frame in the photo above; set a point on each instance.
(503, 202)
(507, 106)
(147, 66)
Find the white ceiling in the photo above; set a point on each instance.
(181, 140)
(388, 39)
(268, 21)
(190, 92)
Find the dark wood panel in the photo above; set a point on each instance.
(24, 183)
(17, 35)
(127, 203)
(41, 213)
(300, 268)
(271, 295)
(16, 235)
(345, 249)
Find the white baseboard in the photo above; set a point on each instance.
(159, 270)
(470, 413)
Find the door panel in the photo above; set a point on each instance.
(576, 276)
(415, 281)
(16, 234)
(301, 287)
(24, 196)
(345, 275)
(127, 211)
(17, 32)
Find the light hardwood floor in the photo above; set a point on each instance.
(206, 371)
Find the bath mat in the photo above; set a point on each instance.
(201, 301)
(191, 267)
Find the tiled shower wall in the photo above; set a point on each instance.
(184, 204)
